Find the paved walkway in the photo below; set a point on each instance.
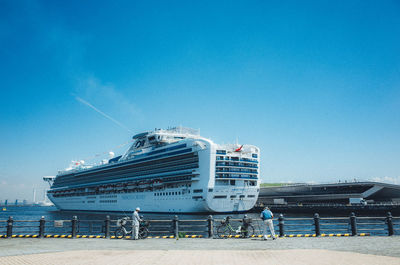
(349, 250)
(194, 257)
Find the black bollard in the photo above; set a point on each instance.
(107, 227)
(73, 226)
(389, 221)
(353, 224)
(281, 226)
(317, 225)
(10, 223)
(175, 226)
(42, 223)
(210, 226)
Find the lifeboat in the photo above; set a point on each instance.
(157, 183)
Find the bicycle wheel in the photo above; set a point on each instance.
(119, 232)
(143, 232)
(223, 231)
(247, 232)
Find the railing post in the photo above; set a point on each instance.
(353, 224)
(107, 227)
(175, 226)
(42, 223)
(389, 221)
(317, 225)
(210, 226)
(73, 225)
(10, 223)
(281, 226)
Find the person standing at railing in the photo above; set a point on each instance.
(267, 216)
(135, 224)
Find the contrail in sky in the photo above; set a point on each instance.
(102, 113)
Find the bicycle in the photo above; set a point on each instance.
(225, 229)
(122, 230)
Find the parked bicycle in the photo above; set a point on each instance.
(225, 229)
(123, 231)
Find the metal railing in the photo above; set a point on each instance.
(311, 226)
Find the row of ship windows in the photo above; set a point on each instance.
(167, 149)
(235, 164)
(198, 197)
(160, 156)
(235, 176)
(177, 192)
(171, 193)
(73, 194)
(158, 151)
(107, 196)
(232, 196)
(223, 152)
(232, 182)
(237, 170)
(235, 158)
(225, 196)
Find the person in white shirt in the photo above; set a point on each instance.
(135, 223)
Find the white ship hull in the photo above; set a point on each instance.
(146, 200)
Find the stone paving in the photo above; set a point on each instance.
(330, 250)
(199, 257)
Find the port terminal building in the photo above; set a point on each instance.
(334, 193)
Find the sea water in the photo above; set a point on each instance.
(294, 223)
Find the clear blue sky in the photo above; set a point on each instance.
(314, 84)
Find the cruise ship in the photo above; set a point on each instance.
(165, 171)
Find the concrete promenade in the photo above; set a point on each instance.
(327, 250)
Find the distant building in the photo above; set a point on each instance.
(340, 193)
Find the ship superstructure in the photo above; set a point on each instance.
(174, 170)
